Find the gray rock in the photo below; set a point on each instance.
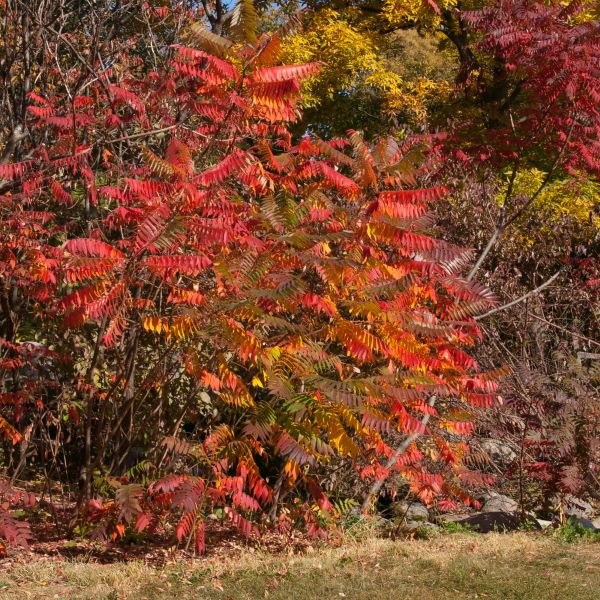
(500, 452)
(494, 521)
(356, 515)
(585, 523)
(411, 511)
(543, 523)
(495, 502)
(451, 517)
(421, 528)
(575, 507)
(596, 522)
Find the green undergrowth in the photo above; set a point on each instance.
(573, 532)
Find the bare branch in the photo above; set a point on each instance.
(537, 290)
(400, 450)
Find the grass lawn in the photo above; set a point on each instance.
(521, 566)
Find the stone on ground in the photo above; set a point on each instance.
(495, 502)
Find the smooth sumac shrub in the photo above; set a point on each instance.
(243, 306)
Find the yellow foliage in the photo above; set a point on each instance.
(419, 12)
(350, 50)
(180, 327)
(566, 204)
(347, 53)
(339, 439)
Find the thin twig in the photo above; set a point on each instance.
(523, 297)
(402, 448)
(565, 330)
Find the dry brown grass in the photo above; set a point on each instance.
(519, 566)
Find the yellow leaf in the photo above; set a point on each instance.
(339, 439)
